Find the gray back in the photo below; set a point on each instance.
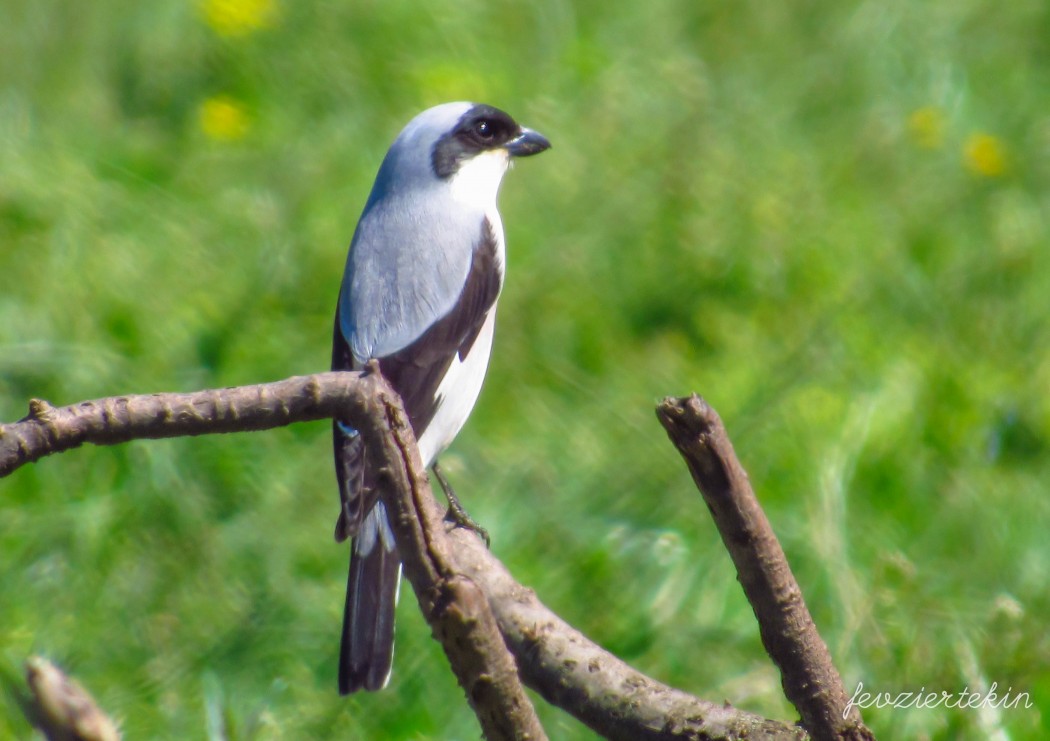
(412, 249)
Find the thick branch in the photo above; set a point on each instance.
(809, 677)
(557, 661)
(457, 612)
(554, 659)
(118, 419)
(580, 677)
(467, 631)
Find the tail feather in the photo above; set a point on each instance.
(367, 651)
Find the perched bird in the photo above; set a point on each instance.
(419, 295)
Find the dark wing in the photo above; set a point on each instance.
(415, 371)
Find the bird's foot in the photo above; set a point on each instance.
(456, 513)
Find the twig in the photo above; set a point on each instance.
(808, 675)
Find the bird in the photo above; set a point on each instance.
(418, 296)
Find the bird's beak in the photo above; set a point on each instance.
(527, 143)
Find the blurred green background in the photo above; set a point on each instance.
(830, 219)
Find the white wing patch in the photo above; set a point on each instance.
(457, 393)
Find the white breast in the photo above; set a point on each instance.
(475, 185)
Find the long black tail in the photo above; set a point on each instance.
(367, 651)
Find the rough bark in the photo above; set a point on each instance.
(446, 569)
(575, 674)
(458, 614)
(810, 680)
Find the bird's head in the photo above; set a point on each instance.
(464, 146)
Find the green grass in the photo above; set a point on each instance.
(741, 200)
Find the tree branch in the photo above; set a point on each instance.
(808, 675)
(469, 634)
(553, 658)
(118, 419)
(580, 677)
(458, 614)
(62, 709)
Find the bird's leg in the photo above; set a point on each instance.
(456, 514)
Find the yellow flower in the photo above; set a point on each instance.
(235, 18)
(926, 126)
(985, 155)
(222, 118)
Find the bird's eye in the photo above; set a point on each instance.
(484, 130)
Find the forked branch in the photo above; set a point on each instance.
(446, 568)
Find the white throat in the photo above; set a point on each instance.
(476, 183)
